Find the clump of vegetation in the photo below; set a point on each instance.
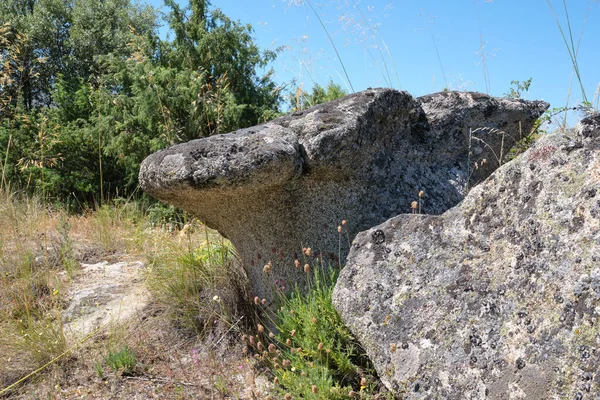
(31, 256)
(309, 351)
(318, 95)
(198, 280)
(122, 361)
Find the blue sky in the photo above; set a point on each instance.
(428, 45)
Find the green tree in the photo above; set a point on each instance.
(93, 90)
(319, 94)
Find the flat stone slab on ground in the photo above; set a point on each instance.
(103, 293)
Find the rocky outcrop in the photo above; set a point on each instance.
(289, 183)
(498, 297)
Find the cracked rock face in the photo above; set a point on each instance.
(496, 298)
(274, 188)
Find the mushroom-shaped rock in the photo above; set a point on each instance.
(274, 188)
(497, 297)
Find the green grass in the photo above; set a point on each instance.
(310, 353)
(122, 361)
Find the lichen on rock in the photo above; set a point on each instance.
(499, 295)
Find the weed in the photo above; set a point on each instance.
(517, 89)
(309, 351)
(197, 280)
(122, 362)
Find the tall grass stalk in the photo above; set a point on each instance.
(374, 34)
(437, 52)
(486, 76)
(569, 44)
(332, 43)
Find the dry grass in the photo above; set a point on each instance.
(40, 251)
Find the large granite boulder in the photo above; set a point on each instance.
(496, 298)
(274, 188)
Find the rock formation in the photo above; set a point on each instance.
(274, 188)
(496, 298)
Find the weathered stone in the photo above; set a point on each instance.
(289, 183)
(496, 298)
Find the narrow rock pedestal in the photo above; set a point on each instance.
(287, 184)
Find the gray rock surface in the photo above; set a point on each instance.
(496, 298)
(289, 183)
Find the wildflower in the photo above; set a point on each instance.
(414, 205)
(363, 382)
(272, 348)
(421, 194)
(293, 333)
(267, 267)
(313, 320)
(271, 335)
(252, 341)
(308, 251)
(244, 338)
(260, 346)
(320, 346)
(216, 298)
(256, 300)
(315, 390)
(297, 264)
(287, 363)
(352, 394)
(260, 328)
(276, 380)
(288, 342)
(340, 229)
(287, 396)
(307, 268)
(303, 373)
(195, 356)
(344, 222)
(264, 302)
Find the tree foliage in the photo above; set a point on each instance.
(318, 95)
(88, 89)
